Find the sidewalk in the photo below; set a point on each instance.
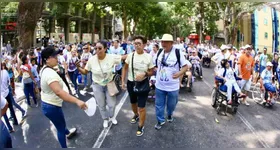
(19, 92)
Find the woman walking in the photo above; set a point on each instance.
(53, 95)
(101, 66)
(139, 66)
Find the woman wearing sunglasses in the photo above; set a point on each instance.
(139, 66)
(101, 65)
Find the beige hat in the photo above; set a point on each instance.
(167, 37)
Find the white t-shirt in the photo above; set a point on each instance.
(164, 78)
(229, 76)
(218, 57)
(72, 63)
(48, 96)
(85, 57)
(3, 101)
(104, 76)
(180, 47)
(141, 64)
(61, 59)
(194, 59)
(5, 82)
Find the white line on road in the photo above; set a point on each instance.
(105, 131)
(246, 122)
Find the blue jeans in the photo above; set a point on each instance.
(15, 104)
(73, 77)
(6, 140)
(10, 100)
(162, 98)
(55, 114)
(29, 90)
(88, 75)
(7, 122)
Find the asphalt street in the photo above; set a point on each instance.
(195, 125)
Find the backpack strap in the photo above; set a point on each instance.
(159, 51)
(177, 51)
(224, 74)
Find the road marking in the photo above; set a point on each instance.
(246, 122)
(105, 131)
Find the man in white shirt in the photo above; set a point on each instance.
(169, 70)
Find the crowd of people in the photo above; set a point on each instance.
(55, 72)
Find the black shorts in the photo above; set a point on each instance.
(136, 97)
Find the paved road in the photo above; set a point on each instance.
(195, 125)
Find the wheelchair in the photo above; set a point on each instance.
(196, 71)
(206, 61)
(219, 96)
(185, 82)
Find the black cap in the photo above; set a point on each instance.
(48, 52)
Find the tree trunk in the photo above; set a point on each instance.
(124, 20)
(93, 26)
(28, 15)
(201, 11)
(135, 25)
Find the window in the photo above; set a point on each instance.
(265, 35)
(265, 21)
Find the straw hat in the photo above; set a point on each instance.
(167, 37)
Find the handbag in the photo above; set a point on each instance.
(111, 86)
(140, 86)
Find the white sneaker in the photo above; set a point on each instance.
(105, 123)
(72, 131)
(114, 121)
(85, 89)
(246, 103)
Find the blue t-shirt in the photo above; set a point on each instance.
(266, 76)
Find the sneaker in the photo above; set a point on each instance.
(246, 103)
(23, 115)
(170, 119)
(201, 77)
(37, 105)
(134, 119)
(105, 123)
(114, 121)
(140, 131)
(85, 89)
(72, 131)
(159, 125)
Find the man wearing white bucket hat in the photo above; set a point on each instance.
(171, 64)
(245, 68)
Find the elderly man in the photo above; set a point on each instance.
(171, 64)
(245, 67)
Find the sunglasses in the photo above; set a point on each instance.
(99, 48)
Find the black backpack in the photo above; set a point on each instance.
(177, 52)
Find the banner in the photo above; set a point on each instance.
(74, 38)
(87, 37)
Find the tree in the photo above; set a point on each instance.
(231, 14)
(28, 15)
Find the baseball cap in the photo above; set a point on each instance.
(269, 64)
(48, 52)
(247, 46)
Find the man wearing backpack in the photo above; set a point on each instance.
(171, 64)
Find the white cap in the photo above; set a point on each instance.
(269, 64)
(247, 46)
(224, 47)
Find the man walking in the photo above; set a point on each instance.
(245, 66)
(171, 64)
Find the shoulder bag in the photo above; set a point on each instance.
(140, 86)
(111, 86)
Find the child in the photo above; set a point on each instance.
(228, 75)
(195, 60)
(34, 72)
